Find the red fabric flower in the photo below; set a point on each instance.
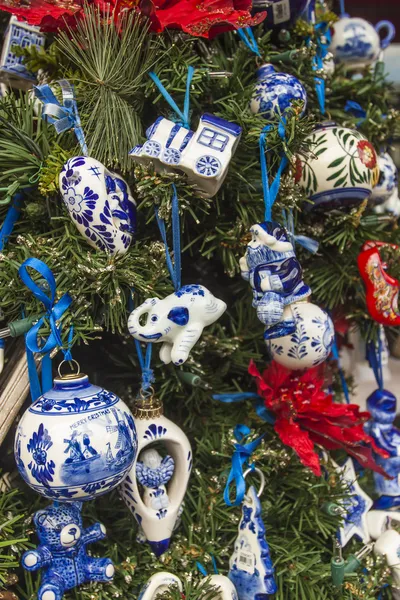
(306, 415)
(367, 154)
(46, 14)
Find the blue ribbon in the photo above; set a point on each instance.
(335, 354)
(144, 360)
(356, 110)
(184, 116)
(247, 36)
(304, 241)
(343, 12)
(374, 357)
(323, 39)
(240, 458)
(270, 192)
(174, 268)
(259, 407)
(13, 213)
(63, 116)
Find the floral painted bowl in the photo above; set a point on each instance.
(341, 168)
(100, 204)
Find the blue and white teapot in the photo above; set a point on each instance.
(356, 42)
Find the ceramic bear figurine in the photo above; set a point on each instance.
(176, 321)
(153, 473)
(62, 551)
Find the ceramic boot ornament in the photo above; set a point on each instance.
(203, 155)
(99, 201)
(62, 555)
(250, 566)
(298, 333)
(156, 485)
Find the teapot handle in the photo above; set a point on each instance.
(391, 32)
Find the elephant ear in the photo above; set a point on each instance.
(179, 315)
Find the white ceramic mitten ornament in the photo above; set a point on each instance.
(100, 203)
(341, 167)
(158, 584)
(164, 480)
(76, 442)
(176, 321)
(203, 155)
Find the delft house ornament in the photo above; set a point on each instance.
(12, 69)
(250, 566)
(176, 321)
(203, 155)
(298, 333)
(62, 554)
(157, 506)
(382, 406)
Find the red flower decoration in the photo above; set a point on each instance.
(306, 415)
(46, 14)
(367, 154)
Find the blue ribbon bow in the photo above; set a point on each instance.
(247, 36)
(308, 243)
(356, 110)
(63, 116)
(240, 458)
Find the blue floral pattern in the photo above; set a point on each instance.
(275, 92)
(41, 467)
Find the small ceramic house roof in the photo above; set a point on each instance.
(227, 126)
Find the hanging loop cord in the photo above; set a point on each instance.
(336, 356)
(63, 116)
(144, 361)
(374, 357)
(323, 41)
(343, 12)
(240, 458)
(54, 312)
(306, 242)
(247, 36)
(270, 192)
(183, 116)
(174, 267)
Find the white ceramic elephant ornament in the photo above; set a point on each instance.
(176, 321)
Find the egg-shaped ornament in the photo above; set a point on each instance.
(311, 342)
(387, 182)
(275, 92)
(100, 204)
(340, 169)
(75, 442)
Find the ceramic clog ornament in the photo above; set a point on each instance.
(275, 92)
(100, 204)
(76, 442)
(176, 321)
(298, 334)
(387, 182)
(341, 167)
(164, 481)
(356, 43)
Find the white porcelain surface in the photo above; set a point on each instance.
(388, 180)
(158, 523)
(388, 545)
(379, 521)
(100, 204)
(310, 344)
(176, 321)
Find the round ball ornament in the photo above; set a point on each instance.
(275, 92)
(388, 177)
(75, 442)
(341, 167)
(311, 342)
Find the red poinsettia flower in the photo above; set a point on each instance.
(306, 415)
(367, 154)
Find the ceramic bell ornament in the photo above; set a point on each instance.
(163, 479)
(298, 334)
(275, 92)
(341, 168)
(387, 182)
(12, 70)
(100, 204)
(356, 43)
(176, 321)
(76, 442)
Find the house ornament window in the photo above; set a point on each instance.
(212, 139)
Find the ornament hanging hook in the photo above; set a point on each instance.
(261, 476)
(70, 375)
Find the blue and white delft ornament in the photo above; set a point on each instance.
(76, 442)
(160, 582)
(176, 321)
(203, 155)
(275, 92)
(12, 69)
(298, 334)
(356, 42)
(356, 507)
(62, 552)
(250, 566)
(100, 204)
(379, 521)
(164, 481)
(387, 182)
(382, 406)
